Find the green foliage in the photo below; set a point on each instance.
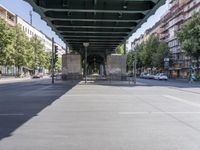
(6, 35)
(58, 64)
(189, 37)
(38, 52)
(197, 76)
(120, 49)
(149, 54)
(158, 56)
(47, 59)
(18, 50)
(20, 42)
(129, 60)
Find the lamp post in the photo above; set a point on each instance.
(52, 62)
(86, 46)
(135, 67)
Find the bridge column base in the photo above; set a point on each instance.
(71, 67)
(116, 66)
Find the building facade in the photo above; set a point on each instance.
(179, 12)
(155, 30)
(8, 16)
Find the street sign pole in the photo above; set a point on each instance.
(52, 63)
(134, 65)
(86, 46)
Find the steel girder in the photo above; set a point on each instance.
(105, 24)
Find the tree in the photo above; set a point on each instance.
(30, 55)
(150, 48)
(149, 54)
(20, 48)
(136, 53)
(6, 38)
(120, 49)
(47, 63)
(161, 52)
(58, 65)
(189, 38)
(38, 53)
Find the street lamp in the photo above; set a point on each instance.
(135, 67)
(86, 46)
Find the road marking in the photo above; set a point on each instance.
(115, 95)
(17, 114)
(182, 100)
(138, 113)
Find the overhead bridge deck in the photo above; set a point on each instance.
(104, 24)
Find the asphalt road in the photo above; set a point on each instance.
(154, 115)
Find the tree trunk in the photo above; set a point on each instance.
(18, 72)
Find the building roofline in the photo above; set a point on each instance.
(7, 10)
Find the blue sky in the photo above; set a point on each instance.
(22, 9)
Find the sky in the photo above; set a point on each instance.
(23, 9)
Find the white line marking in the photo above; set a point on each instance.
(12, 114)
(182, 100)
(115, 95)
(136, 113)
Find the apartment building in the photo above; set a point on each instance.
(8, 16)
(179, 12)
(155, 30)
(30, 31)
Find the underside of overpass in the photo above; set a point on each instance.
(104, 24)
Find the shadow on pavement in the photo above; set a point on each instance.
(19, 102)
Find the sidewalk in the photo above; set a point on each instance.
(184, 81)
(13, 79)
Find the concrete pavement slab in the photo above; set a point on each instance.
(104, 117)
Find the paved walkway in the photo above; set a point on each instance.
(14, 79)
(113, 117)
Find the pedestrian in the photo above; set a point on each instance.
(192, 78)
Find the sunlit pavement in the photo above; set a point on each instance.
(153, 115)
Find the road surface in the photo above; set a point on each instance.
(154, 115)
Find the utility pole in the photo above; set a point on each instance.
(52, 62)
(35, 50)
(135, 69)
(86, 46)
(31, 18)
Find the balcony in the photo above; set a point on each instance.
(11, 22)
(2, 15)
(163, 36)
(168, 39)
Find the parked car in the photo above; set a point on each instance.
(143, 75)
(37, 76)
(150, 76)
(146, 76)
(160, 76)
(156, 77)
(163, 77)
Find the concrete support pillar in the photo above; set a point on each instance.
(85, 65)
